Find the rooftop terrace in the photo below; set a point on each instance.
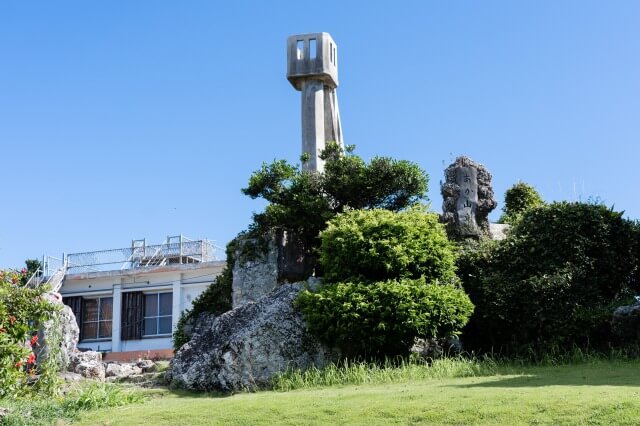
(175, 250)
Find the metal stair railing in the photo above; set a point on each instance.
(160, 259)
(35, 279)
(55, 280)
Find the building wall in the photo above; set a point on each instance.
(185, 282)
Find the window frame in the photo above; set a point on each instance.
(98, 321)
(157, 316)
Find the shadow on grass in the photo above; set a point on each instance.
(184, 393)
(605, 374)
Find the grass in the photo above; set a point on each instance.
(595, 392)
(360, 373)
(85, 397)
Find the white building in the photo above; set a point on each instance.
(130, 299)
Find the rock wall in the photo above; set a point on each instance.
(245, 347)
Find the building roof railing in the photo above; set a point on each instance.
(176, 250)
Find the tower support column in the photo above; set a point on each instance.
(313, 124)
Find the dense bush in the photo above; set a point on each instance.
(377, 245)
(519, 198)
(381, 319)
(553, 282)
(21, 310)
(390, 280)
(215, 299)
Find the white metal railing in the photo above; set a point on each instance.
(54, 279)
(178, 249)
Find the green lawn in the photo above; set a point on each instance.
(606, 392)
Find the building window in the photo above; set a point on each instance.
(96, 318)
(157, 313)
(313, 51)
(300, 49)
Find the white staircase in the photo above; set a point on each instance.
(55, 280)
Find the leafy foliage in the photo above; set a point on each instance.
(383, 319)
(215, 299)
(69, 406)
(303, 202)
(392, 276)
(376, 245)
(519, 198)
(554, 281)
(21, 310)
(34, 266)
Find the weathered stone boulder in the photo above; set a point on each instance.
(91, 370)
(261, 264)
(146, 366)
(626, 323)
(245, 347)
(193, 325)
(436, 348)
(88, 364)
(62, 331)
(468, 199)
(114, 369)
(255, 272)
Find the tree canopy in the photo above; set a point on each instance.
(303, 201)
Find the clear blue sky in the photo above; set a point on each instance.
(122, 120)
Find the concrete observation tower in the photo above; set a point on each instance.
(312, 68)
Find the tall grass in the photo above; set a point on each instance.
(84, 398)
(358, 372)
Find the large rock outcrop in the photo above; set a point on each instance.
(245, 347)
(261, 264)
(255, 272)
(61, 331)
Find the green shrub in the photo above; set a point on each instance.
(374, 320)
(519, 198)
(215, 299)
(376, 245)
(22, 309)
(553, 282)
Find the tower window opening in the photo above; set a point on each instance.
(313, 48)
(300, 49)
